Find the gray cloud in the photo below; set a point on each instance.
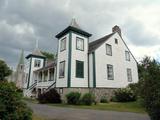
(24, 21)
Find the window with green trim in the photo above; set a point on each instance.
(61, 69)
(79, 43)
(79, 69)
(63, 44)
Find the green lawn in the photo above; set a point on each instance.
(112, 106)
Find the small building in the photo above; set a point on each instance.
(100, 66)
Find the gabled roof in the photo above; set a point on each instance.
(36, 53)
(73, 27)
(95, 44)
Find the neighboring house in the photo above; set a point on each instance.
(100, 66)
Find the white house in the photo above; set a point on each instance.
(99, 66)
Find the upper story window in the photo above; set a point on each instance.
(110, 73)
(61, 69)
(116, 41)
(129, 75)
(63, 44)
(108, 49)
(79, 43)
(127, 55)
(79, 69)
(37, 63)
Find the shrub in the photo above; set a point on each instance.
(104, 99)
(50, 96)
(11, 105)
(87, 99)
(73, 98)
(125, 95)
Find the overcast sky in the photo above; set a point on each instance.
(22, 22)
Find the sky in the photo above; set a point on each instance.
(23, 22)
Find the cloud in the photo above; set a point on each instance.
(22, 22)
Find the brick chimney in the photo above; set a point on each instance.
(116, 29)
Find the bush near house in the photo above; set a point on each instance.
(52, 96)
(104, 99)
(125, 95)
(11, 105)
(73, 98)
(87, 99)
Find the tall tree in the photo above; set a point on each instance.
(149, 73)
(4, 70)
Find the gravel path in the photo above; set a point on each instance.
(60, 113)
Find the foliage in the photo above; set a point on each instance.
(73, 98)
(87, 99)
(4, 70)
(49, 56)
(11, 105)
(135, 88)
(149, 71)
(125, 95)
(104, 99)
(50, 96)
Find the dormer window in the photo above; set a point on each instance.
(79, 44)
(63, 44)
(37, 63)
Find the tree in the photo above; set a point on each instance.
(149, 86)
(49, 56)
(4, 70)
(11, 105)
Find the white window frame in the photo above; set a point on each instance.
(127, 55)
(109, 49)
(37, 63)
(110, 72)
(129, 75)
(78, 39)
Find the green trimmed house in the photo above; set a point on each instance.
(99, 66)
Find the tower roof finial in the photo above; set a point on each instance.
(74, 23)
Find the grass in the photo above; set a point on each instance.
(134, 107)
(35, 117)
(112, 106)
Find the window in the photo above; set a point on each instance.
(79, 69)
(63, 44)
(116, 41)
(61, 69)
(110, 72)
(108, 49)
(79, 43)
(127, 55)
(129, 75)
(37, 63)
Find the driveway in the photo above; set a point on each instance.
(60, 113)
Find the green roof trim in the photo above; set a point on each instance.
(74, 29)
